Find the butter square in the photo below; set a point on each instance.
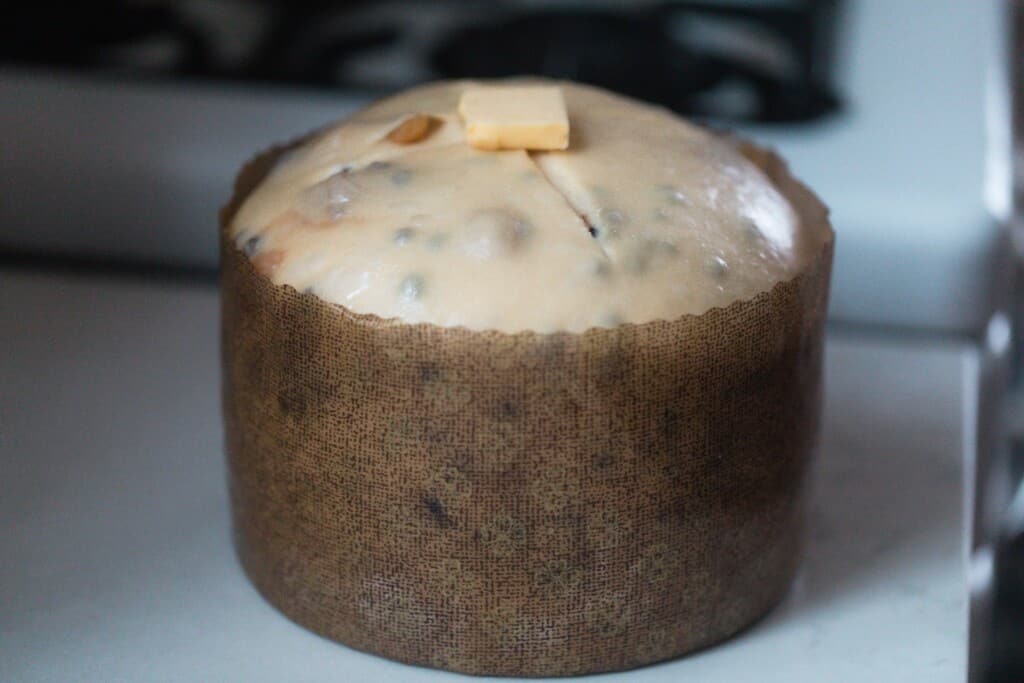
(515, 117)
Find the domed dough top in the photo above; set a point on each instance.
(645, 216)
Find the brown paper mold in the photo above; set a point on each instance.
(520, 504)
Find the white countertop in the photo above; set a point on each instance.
(116, 565)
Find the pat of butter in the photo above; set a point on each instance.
(515, 117)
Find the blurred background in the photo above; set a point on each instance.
(124, 122)
(145, 108)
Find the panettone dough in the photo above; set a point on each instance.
(643, 217)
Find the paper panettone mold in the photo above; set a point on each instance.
(525, 503)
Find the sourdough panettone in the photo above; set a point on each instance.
(519, 411)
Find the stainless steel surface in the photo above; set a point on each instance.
(998, 547)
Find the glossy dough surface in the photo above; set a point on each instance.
(643, 217)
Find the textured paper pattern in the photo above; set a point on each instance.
(520, 504)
